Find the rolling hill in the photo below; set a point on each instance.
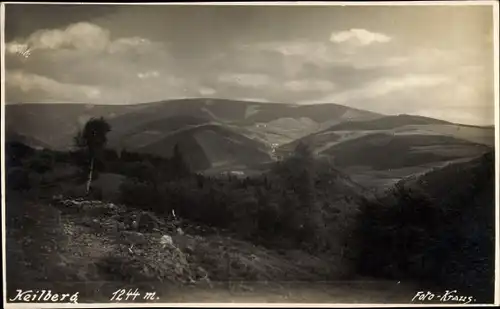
(213, 132)
(386, 123)
(397, 125)
(382, 151)
(55, 124)
(220, 134)
(208, 146)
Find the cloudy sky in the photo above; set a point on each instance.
(430, 60)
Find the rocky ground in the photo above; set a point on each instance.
(98, 247)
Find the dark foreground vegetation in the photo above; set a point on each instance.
(437, 231)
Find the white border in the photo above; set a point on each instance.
(496, 83)
(496, 55)
(2, 146)
(287, 3)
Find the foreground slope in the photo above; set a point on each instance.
(438, 228)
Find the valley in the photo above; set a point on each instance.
(219, 135)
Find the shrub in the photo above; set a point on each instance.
(142, 195)
(18, 178)
(41, 163)
(95, 193)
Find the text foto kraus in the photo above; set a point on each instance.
(447, 296)
(31, 296)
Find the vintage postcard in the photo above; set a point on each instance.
(250, 154)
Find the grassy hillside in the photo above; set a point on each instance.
(317, 141)
(384, 151)
(386, 123)
(206, 146)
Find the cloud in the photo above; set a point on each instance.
(309, 85)
(387, 85)
(473, 115)
(287, 48)
(82, 36)
(358, 37)
(56, 91)
(207, 91)
(125, 44)
(298, 54)
(356, 67)
(149, 74)
(66, 64)
(245, 79)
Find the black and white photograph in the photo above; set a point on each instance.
(287, 154)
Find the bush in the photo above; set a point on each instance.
(41, 163)
(18, 178)
(143, 195)
(95, 193)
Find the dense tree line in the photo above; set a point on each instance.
(446, 240)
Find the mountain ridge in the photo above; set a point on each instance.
(267, 130)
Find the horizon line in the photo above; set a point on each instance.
(484, 125)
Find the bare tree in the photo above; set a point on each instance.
(92, 141)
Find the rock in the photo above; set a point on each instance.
(87, 222)
(134, 226)
(189, 249)
(133, 238)
(147, 222)
(121, 226)
(166, 240)
(179, 231)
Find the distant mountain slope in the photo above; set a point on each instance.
(12, 136)
(386, 123)
(55, 124)
(218, 132)
(384, 151)
(318, 141)
(137, 135)
(251, 130)
(407, 131)
(208, 146)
